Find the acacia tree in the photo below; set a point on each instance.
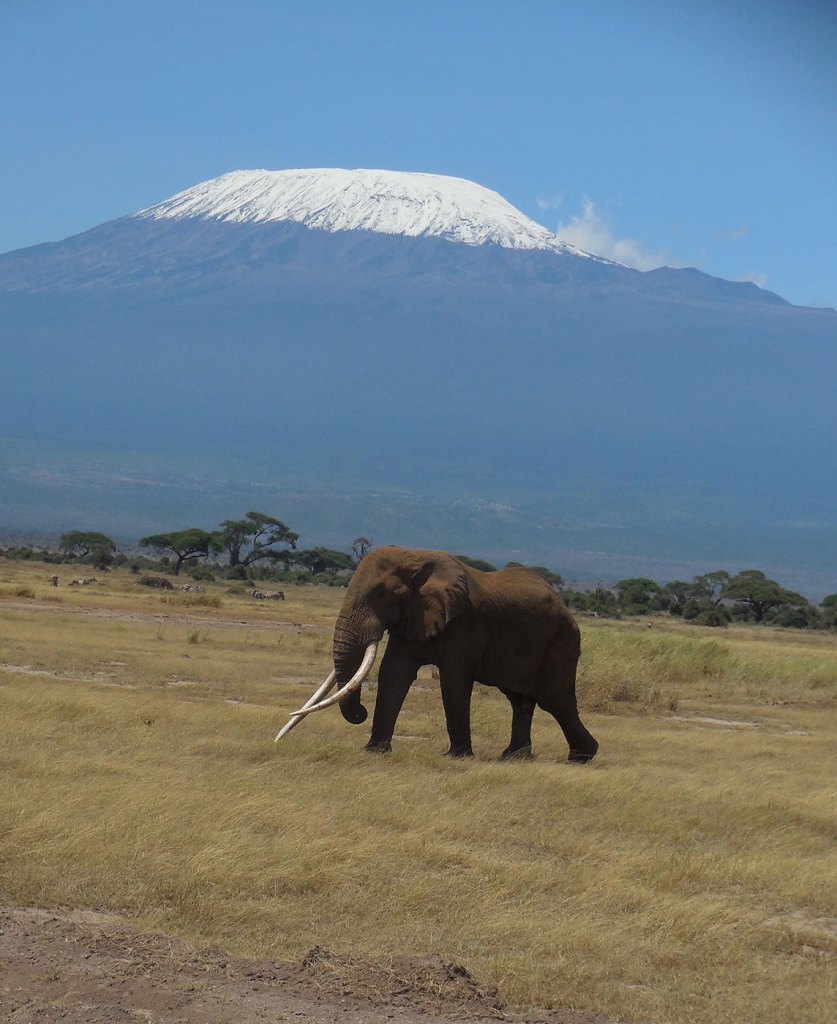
(638, 595)
(752, 589)
(829, 611)
(698, 600)
(258, 531)
(80, 543)
(183, 544)
(711, 585)
(317, 560)
(361, 546)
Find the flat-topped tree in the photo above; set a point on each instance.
(183, 544)
(638, 595)
(81, 543)
(317, 560)
(711, 585)
(755, 591)
(253, 538)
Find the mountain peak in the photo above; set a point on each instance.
(387, 202)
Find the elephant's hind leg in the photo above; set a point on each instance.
(582, 745)
(557, 696)
(561, 704)
(520, 745)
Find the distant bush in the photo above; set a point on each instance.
(24, 553)
(600, 602)
(237, 572)
(635, 609)
(704, 613)
(795, 618)
(202, 573)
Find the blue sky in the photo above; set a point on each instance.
(694, 133)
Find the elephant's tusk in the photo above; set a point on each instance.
(353, 684)
(296, 718)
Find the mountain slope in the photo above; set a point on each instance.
(645, 411)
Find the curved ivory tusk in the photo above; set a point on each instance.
(318, 695)
(354, 683)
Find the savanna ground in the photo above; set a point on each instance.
(156, 845)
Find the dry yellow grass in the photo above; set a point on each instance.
(687, 875)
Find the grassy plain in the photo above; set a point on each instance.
(688, 874)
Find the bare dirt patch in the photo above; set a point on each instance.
(83, 967)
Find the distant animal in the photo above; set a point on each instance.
(155, 581)
(190, 588)
(261, 595)
(80, 582)
(53, 580)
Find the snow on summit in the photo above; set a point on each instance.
(388, 202)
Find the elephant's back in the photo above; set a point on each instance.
(525, 602)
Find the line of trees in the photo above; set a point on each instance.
(248, 547)
(711, 599)
(262, 547)
(257, 547)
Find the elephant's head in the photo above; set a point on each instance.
(414, 594)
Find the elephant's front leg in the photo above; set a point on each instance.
(457, 687)
(523, 708)
(395, 677)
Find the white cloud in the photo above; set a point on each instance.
(554, 203)
(591, 232)
(734, 234)
(754, 277)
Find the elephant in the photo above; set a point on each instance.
(505, 628)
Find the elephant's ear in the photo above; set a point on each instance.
(441, 594)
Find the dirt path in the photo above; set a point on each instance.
(80, 967)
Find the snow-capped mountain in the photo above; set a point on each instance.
(375, 329)
(386, 202)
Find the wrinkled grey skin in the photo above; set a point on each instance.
(506, 629)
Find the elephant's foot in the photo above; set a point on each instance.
(459, 752)
(380, 747)
(519, 754)
(583, 756)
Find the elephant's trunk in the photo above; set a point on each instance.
(320, 701)
(356, 638)
(350, 643)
